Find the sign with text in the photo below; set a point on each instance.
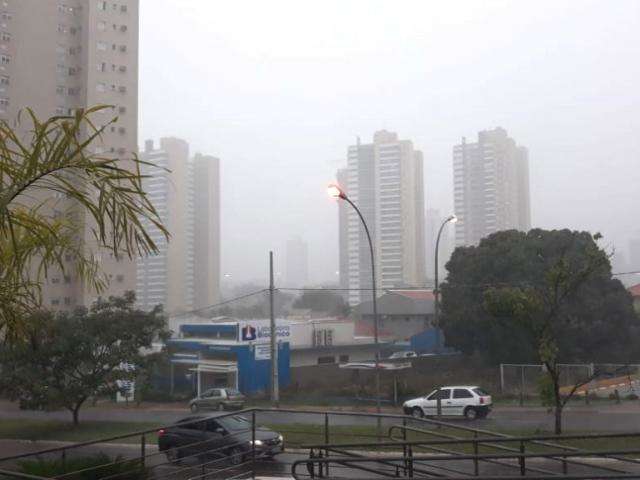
(263, 352)
(258, 332)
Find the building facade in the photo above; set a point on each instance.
(491, 186)
(60, 56)
(385, 180)
(185, 273)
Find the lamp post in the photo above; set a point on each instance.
(337, 193)
(436, 293)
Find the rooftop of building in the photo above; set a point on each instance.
(635, 291)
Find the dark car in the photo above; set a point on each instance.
(218, 399)
(217, 435)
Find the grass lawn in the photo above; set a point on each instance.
(295, 434)
(43, 430)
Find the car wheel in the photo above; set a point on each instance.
(221, 407)
(195, 408)
(417, 412)
(173, 456)
(470, 413)
(236, 456)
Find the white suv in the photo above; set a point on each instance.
(470, 402)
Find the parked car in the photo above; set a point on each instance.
(217, 435)
(470, 402)
(218, 399)
(400, 355)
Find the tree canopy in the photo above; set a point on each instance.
(53, 190)
(65, 358)
(500, 294)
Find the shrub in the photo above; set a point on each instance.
(97, 466)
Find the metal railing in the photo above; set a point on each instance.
(325, 444)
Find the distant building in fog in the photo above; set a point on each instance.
(432, 225)
(634, 254)
(385, 180)
(297, 263)
(491, 186)
(184, 275)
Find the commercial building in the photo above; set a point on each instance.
(491, 186)
(59, 56)
(401, 313)
(297, 263)
(227, 352)
(385, 180)
(185, 273)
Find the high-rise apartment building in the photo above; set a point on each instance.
(57, 56)
(385, 180)
(297, 263)
(185, 273)
(491, 186)
(445, 249)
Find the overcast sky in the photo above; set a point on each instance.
(279, 89)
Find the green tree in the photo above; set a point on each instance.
(544, 296)
(65, 358)
(324, 301)
(52, 186)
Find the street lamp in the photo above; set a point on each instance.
(336, 192)
(436, 293)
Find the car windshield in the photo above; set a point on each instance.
(480, 392)
(234, 423)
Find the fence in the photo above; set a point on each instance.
(522, 380)
(334, 445)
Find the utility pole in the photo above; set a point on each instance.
(275, 392)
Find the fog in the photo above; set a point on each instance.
(278, 90)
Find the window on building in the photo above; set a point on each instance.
(60, 111)
(122, 69)
(55, 301)
(101, 87)
(326, 360)
(60, 89)
(7, 16)
(67, 279)
(67, 301)
(122, 109)
(102, 6)
(73, 30)
(5, 36)
(102, 26)
(123, 8)
(344, 358)
(122, 130)
(4, 80)
(119, 278)
(123, 28)
(5, 59)
(122, 89)
(102, 46)
(123, 48)
(55, 280)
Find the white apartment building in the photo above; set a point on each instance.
(385, 180)
(491, 186)
(184, 274)
(57, 56)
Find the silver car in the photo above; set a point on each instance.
(218, 399)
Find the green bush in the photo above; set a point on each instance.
(101, 465)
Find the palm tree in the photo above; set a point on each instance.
(56, 198)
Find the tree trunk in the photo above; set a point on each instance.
(76, 415)
(555, 377)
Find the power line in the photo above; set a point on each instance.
(216, 305)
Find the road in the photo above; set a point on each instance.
(595, 418)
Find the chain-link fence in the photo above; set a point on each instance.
(615, 381)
